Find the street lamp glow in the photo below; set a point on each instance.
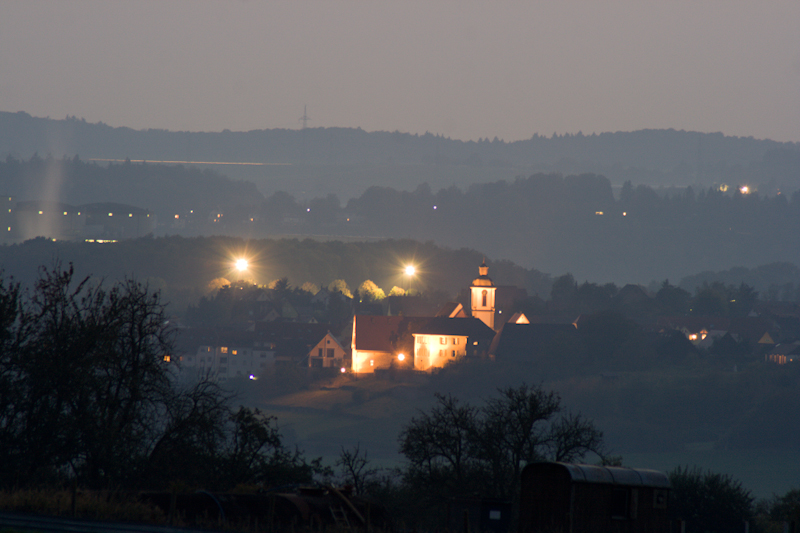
(410, 270)
(401, 357)
(241, 265)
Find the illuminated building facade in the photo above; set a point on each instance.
(482, 296)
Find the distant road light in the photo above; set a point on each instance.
(241, 265)
(410, 270)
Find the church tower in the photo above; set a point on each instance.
(482, 296)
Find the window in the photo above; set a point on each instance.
(330, 352)
(224, 349)
(484, 296)
(453, 353)
(455, 340)
(234, 352)
(319, 352)
(442, 340)
(223, 360)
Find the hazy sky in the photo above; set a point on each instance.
(462, 69)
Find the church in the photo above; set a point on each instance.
(428, 343)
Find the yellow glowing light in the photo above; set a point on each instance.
(744, 189)
(241, 265)
(410, 270)
(343, 370)
(177, 216)
(401, 357)
(598, 213)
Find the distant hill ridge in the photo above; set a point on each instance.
(22, 135)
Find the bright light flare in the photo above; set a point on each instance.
(410, 270)
(744, 189)
(242, 264)
(401, 357)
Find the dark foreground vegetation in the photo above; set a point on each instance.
(87, 397)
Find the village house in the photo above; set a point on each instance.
(329, 353)
(222, 355)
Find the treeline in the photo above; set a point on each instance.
(575, 224)
(552, 222)
(649, 156)
(183, 268)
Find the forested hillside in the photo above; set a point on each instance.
(550, 222)
(346, 161)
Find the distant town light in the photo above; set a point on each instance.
(111, 214)
(130, 215)
(65, 213)
(744, 189)
(41, 213)
(308, 209)
(434, 208)
(343, 370)
(177, 216)
(253, 377)
(599, 213)
(624, 213)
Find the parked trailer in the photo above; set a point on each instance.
(571, 498)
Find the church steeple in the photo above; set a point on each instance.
(482, 292)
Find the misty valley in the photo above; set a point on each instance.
(399, 324)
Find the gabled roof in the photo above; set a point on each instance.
(460, 327)
(335, 341)
(452, 310)
(518, 318)
(792, 348)
(517, 341)
(384, 333)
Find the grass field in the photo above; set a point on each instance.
(371, 412)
